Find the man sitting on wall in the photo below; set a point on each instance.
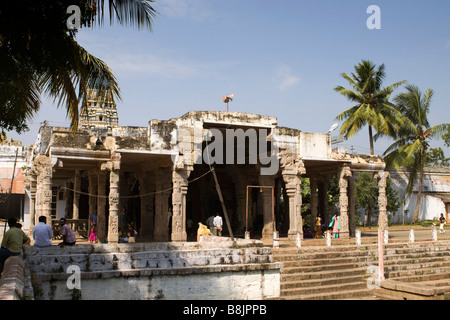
(69, 238)
(13, 241)
(42, 233)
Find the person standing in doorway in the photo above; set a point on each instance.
(441, 223)
(218, 223)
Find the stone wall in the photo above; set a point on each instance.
(15, 281)
(157, 271)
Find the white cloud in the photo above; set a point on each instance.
(157, 65)
(129, 64)
(285, 77)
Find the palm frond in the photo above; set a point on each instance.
(78, 71)
(139, 13)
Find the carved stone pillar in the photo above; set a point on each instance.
(179, 192)
(33, 182)
(114, 194)
(147, 188)
(344, 173)
(293, 191)
(268, 205)
(44, 188)
(314, 203)
(351, 206)
(292, 169)
(323, 197)
(163, 191)
(76, 194)
(381, 176)
(101, 204)
(93, 188)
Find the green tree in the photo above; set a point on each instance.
(366, 191)
(436, 158)
(366, 195)
(39, 54)
(371, 102)
(446, 137)
(412, 139)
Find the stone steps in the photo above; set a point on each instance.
(91, 259)
(341, 272)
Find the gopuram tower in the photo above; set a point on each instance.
(101, 111)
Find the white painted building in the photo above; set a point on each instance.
(436, 195)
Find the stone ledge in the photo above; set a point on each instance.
(410, 290)
(141, 247)
(12, 281)
(158, 272)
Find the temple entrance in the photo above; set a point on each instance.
(203, 201)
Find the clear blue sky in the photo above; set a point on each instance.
(280, 58)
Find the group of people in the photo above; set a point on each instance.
(14, 239)
(215, 224)
(334, 226)
(42, 233)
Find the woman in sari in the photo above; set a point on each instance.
(336, 224)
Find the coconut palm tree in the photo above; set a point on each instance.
(412, 139)
(371, 102)
(39, 54)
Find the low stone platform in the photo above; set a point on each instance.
(243, 269)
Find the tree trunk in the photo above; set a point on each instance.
(419, 193)
(371, 140)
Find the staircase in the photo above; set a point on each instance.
(342, 271)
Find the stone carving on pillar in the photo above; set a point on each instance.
(292, 168)
(44, 168)
(31, 181)
(344, 173)
(180, 177)
(76, 194)
(101, 204)
(381, 176)
(114, 194)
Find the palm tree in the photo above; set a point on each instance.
(412, 139)
(39, 54)
(372, 106)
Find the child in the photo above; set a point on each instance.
(92, 237)
(131, 234)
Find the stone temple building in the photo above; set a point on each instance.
(160, 179)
